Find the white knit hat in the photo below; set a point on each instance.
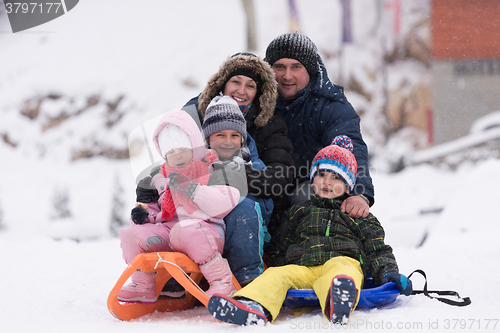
(172, 136)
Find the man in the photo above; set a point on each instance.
(316, 111)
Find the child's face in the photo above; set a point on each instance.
(328, 185)
(226, 143)
(179, 158)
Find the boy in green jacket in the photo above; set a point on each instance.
(318, 247)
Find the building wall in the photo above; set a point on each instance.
(460, 97)
(466, 64)
(466, 29)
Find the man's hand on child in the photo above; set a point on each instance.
(140, 213)
(179, 182)
(404, 284)
(356, 206)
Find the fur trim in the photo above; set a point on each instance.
(266, 101)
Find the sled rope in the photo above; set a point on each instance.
(463, 301)
(160, 260)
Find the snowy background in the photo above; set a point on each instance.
(78, 86)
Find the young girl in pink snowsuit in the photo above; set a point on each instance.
(187, 218)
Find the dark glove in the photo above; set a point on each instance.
(251, 173)
(139, 214)
(231, 177)
(404, 284)
(145, 192)
(180, 182)
(155, 170)
(218, 176)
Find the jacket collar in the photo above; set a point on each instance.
(328, 203)
(299, 99)
(251, 115)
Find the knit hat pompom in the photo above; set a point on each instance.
(223, 113)
(343, 141)
(294, 46)
(337, 158)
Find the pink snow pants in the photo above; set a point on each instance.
(199, 240)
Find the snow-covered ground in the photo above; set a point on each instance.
(443, 222)
(59, 285)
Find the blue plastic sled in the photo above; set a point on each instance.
(371, 295)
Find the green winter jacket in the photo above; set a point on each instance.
(316, 230)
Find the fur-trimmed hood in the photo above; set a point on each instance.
(267, 100)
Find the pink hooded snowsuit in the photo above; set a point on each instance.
(199, 235)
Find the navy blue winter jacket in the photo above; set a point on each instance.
(320, 113)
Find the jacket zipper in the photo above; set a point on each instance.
(328, 228)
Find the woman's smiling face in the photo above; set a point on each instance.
(241, 88)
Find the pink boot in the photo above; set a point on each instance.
(142, 289)
(219, 276)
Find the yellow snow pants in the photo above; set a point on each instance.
(271, 287)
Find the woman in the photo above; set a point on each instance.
(251, 83)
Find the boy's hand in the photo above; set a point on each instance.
(355, 206)
(140, 213)
(404, 284)
(180, 182)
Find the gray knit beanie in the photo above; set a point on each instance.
(294, 46)
(223, 113)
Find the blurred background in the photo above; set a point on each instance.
(423, 75)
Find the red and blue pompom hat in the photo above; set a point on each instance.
(338, 159)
